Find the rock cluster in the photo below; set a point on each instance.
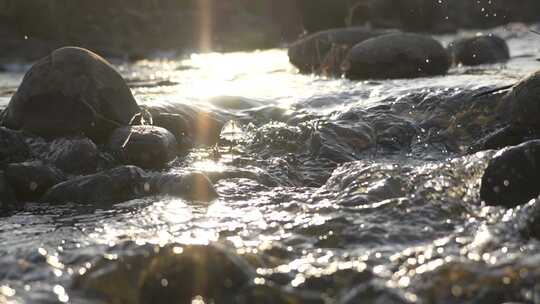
(66, 132)
(511, 176)
(363, 53)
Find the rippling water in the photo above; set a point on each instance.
(338, 190)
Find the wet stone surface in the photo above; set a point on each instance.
(329, 191)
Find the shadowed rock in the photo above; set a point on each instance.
(72, 155)
(399, 55)
(523, 102)
(8, 202)
(12, 147)
(512, 176)
(31, 180)
(178, 126)
(479, 50)
(144, 146)
(180, 272)
(112, 186)
(71, 92)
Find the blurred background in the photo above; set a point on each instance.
(132, 29)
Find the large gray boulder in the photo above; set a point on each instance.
(145, 146)
(71, 92)
(398, 55)
(308, 53)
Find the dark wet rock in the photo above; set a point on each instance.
(178, 126)
(71, 92)
(31, 180)
(400, 55)
(144, 146)
(12, 147)
(180, 272)
(342, 141)
(192, 186)
(523, 103)
(503, 137)
(8, 201)
(309, 53)
(393, 132)
(111, 186)
(479, 50)
(203, 127)
(527, 220)
(511, 177)
(71, 155)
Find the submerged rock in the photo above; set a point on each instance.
(511, 177)
(308, 54)
(111, 186)
(193, 186)
(12, 147)
(479, 50)
(71, 92)
(175, 271)
(399, 55)
(144, 146)
(8, 201)
(31, 180)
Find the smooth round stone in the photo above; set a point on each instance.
(511, 177)
(71, 92)
(144, 146)
(399, 55)
(479, 50)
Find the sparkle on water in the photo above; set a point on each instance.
(416, 228)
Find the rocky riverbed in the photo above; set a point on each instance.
(268, 185)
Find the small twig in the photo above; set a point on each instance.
(496, 90)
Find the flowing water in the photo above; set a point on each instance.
(333, 191)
